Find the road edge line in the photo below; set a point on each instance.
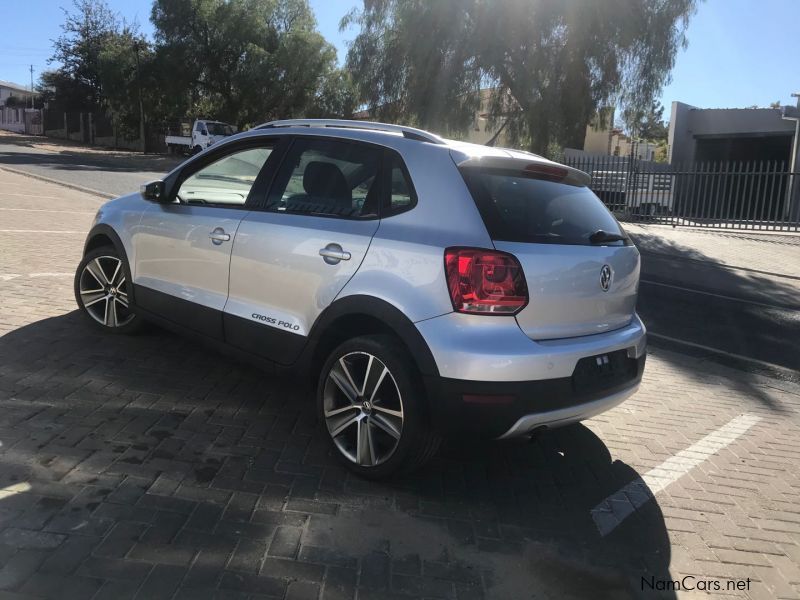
(74, 186)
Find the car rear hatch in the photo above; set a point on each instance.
(581, 269)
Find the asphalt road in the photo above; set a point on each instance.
(741, 313)
(112, 173)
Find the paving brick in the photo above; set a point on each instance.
(162, 582)
(302, 590)
(69, 555)
(25, 538)
(169, 554)
(252, 584)
(375, 571)
(289, 569)
(248, 555)
(285, 542)
(117, 590)
(114, 568)
(340, 584)
(19, 568)
(50, 585)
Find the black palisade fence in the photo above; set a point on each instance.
(726, 195)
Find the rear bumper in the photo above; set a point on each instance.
(510, 409)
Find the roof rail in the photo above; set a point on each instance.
(408, 132)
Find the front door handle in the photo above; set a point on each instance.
(218, 236)
(333, 253)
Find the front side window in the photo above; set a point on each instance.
(227, 180)
(328, 178)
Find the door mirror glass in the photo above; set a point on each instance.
(153, 191)
(203, 132)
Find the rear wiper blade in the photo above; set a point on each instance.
(600, 237)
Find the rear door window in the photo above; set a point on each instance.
(520, 208)
(328, 178)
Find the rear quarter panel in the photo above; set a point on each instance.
(405, 262)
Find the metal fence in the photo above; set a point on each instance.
(727, 195)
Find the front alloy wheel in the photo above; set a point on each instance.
(363, 409)
(102, 291)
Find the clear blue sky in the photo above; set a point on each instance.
(741, 52)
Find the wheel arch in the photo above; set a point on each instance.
(104, 235)
(357, 315)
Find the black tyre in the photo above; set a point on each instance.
(102, 290)
(372, 408)
(196, 150)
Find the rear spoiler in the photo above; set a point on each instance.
(525, 163)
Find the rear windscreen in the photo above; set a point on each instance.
(519, 208)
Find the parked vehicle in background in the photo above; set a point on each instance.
(430, 287)
(641, 194)
(196, 137)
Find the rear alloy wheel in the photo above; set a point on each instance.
(102, 291)
(372, 409)
(364, 419)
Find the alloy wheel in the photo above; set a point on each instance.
(104, 291)
(363, 409)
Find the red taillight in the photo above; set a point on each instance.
(485, 282)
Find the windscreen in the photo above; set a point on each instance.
(517, 207)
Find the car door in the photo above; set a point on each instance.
(294, 254)
(183, 246)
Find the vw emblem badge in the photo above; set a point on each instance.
(605, 278)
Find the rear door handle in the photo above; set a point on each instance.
(333, 253)
(218, 236)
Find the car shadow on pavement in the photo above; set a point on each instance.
(150, 462)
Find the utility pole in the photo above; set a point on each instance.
(136, 46)
(31, 86)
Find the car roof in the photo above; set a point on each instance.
(406, 139)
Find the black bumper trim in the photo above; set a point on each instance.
(452, 415)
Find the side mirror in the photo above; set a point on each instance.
(203, 132)
(153, 191)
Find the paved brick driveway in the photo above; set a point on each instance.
(148, 466)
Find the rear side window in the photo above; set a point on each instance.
(401, 194)
(328, 178)
(519, 208)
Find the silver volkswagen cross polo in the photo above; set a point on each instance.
(432, 287)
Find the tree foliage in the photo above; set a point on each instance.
(242, 61)
(246, 61)
(552, 63)
(647, 123)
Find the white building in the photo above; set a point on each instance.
(20, 92)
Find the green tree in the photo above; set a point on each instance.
(647, 123)
(245, 61)
(552, 63)
(84, 34)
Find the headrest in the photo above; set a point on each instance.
(326, 180)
